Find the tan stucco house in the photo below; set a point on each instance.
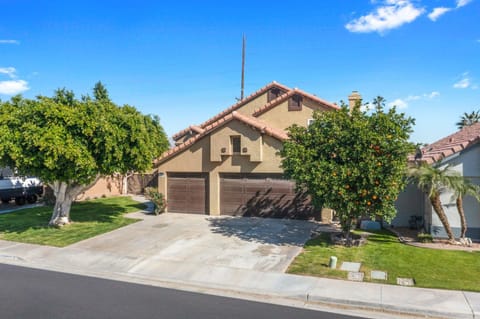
(230, 164)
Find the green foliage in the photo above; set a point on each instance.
(435, 180)
(61, 138)
(425, 238)
(158, 200)
(92, 218)
(352, 162)
(468, 119)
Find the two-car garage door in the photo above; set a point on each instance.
(265, 195)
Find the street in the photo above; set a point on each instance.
(31, 293)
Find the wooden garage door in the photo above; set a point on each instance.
(263, 195)
(187, 193)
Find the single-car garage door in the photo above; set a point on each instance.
(264, 195)
(187, 193)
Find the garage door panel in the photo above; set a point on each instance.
(266, 195)
(187, 193)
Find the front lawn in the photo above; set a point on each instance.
(430, 268)
(89, 219)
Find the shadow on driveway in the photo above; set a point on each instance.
(264, 230)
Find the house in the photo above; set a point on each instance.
(230, 164)
(461, 151)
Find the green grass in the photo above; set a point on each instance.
(89, 219)
(431, 268)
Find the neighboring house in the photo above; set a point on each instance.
(461, 151)
(230, 164)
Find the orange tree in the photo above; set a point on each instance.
(351, 161)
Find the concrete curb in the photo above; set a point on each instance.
(303, 292)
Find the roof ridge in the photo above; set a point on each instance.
(233, 107)
(248, 120)
(288, 94)
(450, 144)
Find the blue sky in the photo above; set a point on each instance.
(181, 60)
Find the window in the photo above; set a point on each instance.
(273, 93)
(236, 145)
(309, 122)
(295, 103)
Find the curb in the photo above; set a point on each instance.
(299, 300)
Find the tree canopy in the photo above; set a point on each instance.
(468, 119)
(68, 143)
(351, 161)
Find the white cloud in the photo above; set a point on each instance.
(437, 12)
(462, 3)
(8, 71)
(403, 103)
(9, 42)
(464, 83)
(432, 95)
(391, 15)
(12, 87)
(399, 103)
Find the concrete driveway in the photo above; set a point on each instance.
(183, 242)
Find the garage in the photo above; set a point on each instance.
(187, 193)
(262, 195)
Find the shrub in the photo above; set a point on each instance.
(425, 238)
(158, 200)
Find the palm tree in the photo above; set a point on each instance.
(460, 189)
(468, 119)
(434, 181)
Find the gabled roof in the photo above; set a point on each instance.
(450, 145)
(253, 122)
(289, 94)
(232, 108)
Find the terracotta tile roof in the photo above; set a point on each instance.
(289, 94)
(232, 108)
(450, 145)
(256, 123)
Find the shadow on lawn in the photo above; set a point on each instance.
(85, 212)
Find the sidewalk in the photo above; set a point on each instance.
(244, 283)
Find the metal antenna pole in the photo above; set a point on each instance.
(243, 69)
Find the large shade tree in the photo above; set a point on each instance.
(351, 161)
(70, 143)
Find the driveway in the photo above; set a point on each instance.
(178, 248)
(189, 242)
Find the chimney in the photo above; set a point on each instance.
(353, 98)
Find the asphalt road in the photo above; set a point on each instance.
(30, 293)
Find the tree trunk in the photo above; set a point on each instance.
(125, 178)
(65, 193)
(463, 220)
(437, 206)
(346, 224)
(124, 184)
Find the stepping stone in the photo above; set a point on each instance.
(378, 275)
(349, 266)
(355, 276)
(405, 282)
